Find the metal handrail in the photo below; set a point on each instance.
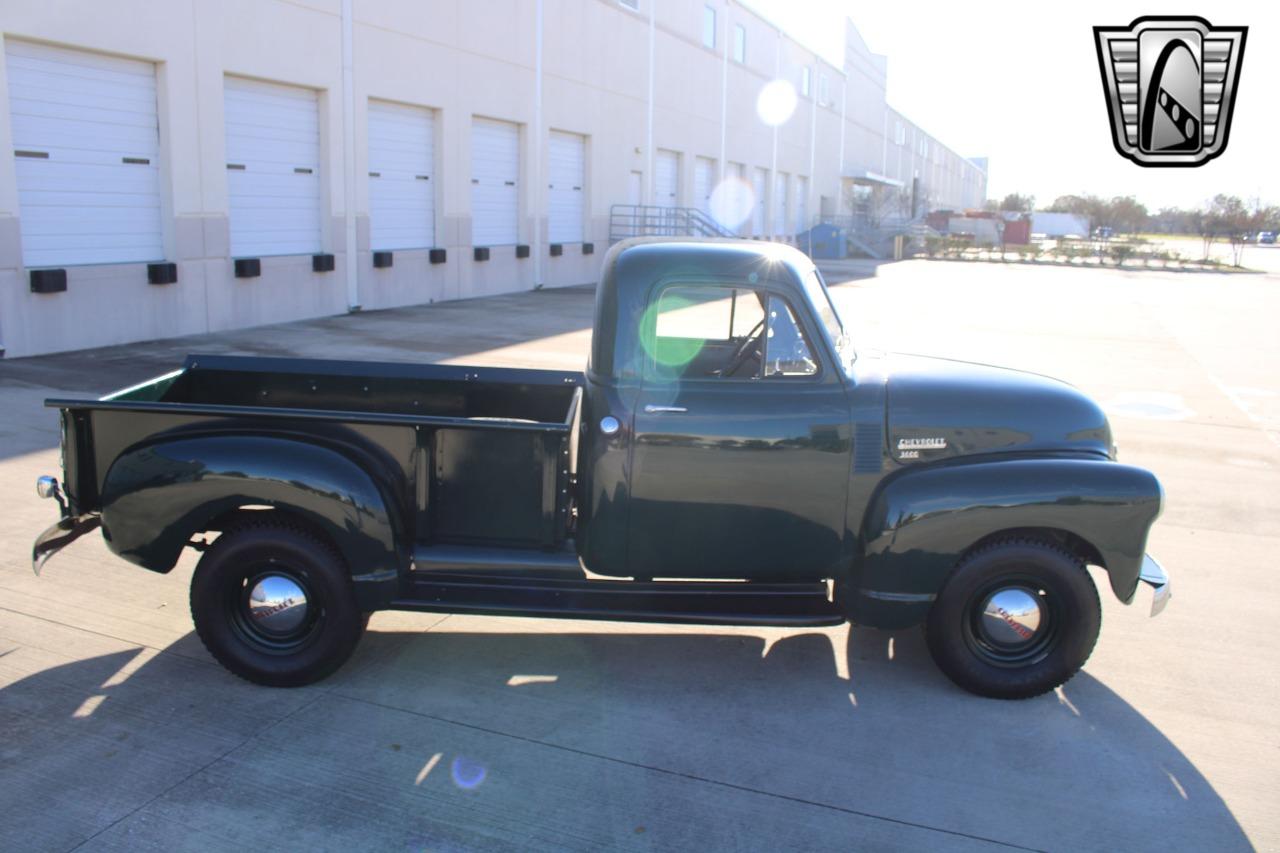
(648, 220)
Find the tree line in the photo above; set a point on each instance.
(1223, 216)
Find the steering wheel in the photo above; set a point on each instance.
(750, 346)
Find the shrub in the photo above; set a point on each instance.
(1069, 250)
(958, 245)
(1120, 252)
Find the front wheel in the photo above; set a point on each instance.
(1015, 619)
(275, 606)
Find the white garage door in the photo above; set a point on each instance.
(780, 222)
(734, 205)
(495, 178)
(566, 167)
(666, 179)
(87, 149)
(273, 168)
(759, 179)
(704, 181)
(802, 205)
(401, 195)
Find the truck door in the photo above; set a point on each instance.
(740, 460)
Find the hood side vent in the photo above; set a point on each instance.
(868, 448)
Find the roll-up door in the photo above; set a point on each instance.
(704, 181)
(736, 200)
(86, 150)
(802, 205)
(495, 179)
(566, 167)
(780, 223)
(759, 182)
(401, 195)
(273, 168)
(666, 179)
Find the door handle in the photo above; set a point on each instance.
(655, 410)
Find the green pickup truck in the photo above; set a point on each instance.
(728, 457)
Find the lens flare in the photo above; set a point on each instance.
(731, 203)
(467, 774)
(669, 353)
(776, 102)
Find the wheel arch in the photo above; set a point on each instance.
(1068, 541)
(248, 514)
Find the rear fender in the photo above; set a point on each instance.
(156, 497)
(922, 521)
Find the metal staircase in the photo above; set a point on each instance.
(644, 220)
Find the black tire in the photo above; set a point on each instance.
(231, 625)
(1029, 648)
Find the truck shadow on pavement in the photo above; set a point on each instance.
(585, 739)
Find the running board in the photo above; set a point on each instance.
(499, 592)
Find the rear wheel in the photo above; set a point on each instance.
(1015, 619)
(274, 605)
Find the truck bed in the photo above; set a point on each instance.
(472, 455)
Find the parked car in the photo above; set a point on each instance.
(1266, 237)
(728, 457)
(1103, 232)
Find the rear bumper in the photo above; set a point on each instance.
(59, 536)
(1154, 575)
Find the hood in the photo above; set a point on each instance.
(938, 408)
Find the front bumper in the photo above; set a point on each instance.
(1154, 575)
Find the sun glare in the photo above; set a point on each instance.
(776, 103)
(731, 203)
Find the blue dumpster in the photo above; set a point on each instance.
(822, 242)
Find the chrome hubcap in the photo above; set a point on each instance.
(277, 605)
(1011, 617)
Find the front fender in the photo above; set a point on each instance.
(155, 497)
(922, 521)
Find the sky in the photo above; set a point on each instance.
(1019, 83)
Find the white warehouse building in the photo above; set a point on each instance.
(179, 168)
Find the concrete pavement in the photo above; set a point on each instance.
(118, 731)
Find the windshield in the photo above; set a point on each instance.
(832, 323)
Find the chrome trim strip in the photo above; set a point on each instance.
(899, 597)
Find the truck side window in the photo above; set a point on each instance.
(787, 353)
(699, 332)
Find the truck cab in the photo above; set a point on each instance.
(730, 387)
(727, 457)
